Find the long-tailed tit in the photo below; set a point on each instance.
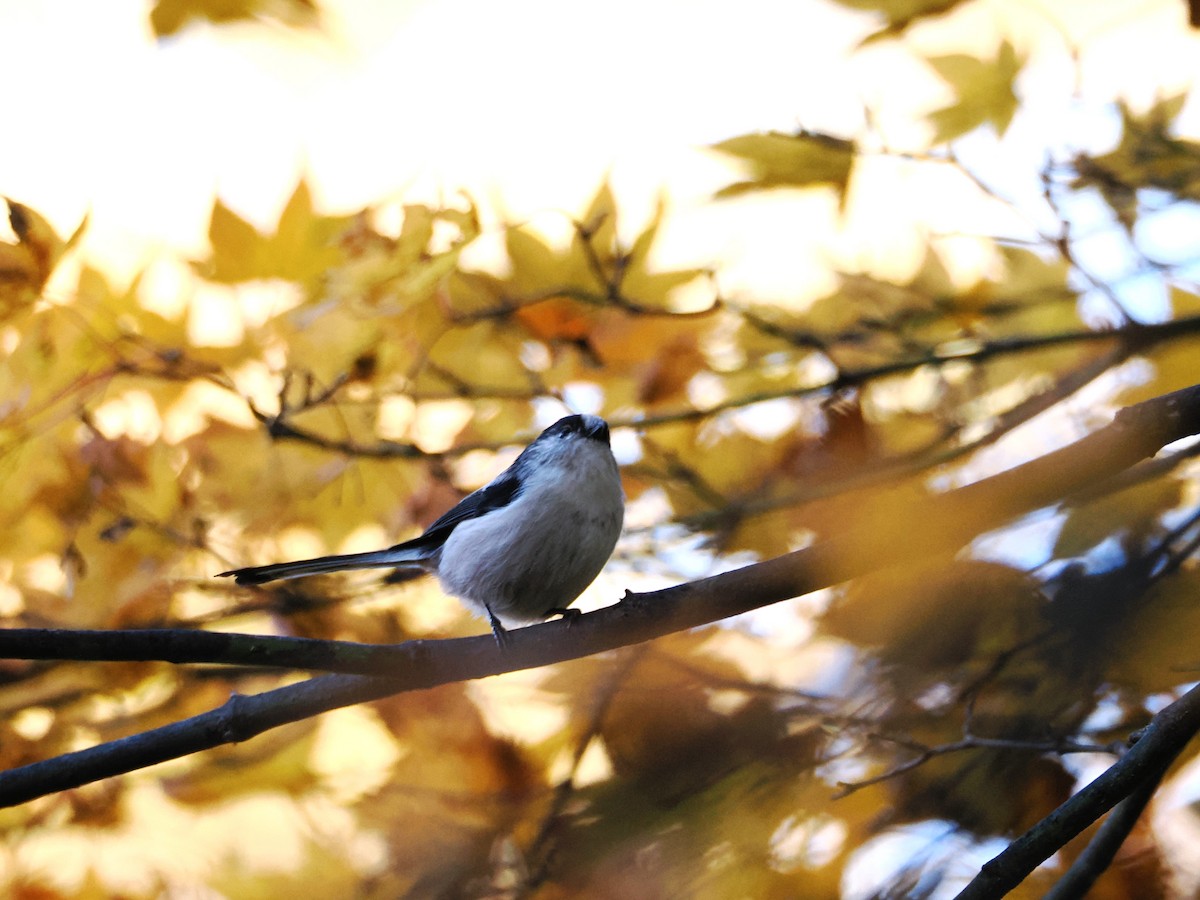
(519, 549)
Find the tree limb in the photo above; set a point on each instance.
(1157, 745)
(1099, 854)
(185, 645)
(1130, 339)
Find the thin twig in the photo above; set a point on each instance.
(926, 753)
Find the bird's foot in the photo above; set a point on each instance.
(499, 632)
(567, 614)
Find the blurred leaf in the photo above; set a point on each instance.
(557, 319)
(1184, 303)
(901, 15)
(1031, 278)
(26, 265)
(274, 761)
(1159, 644)
(453, 790)
(776, 160)
(927, 620)
(1148, 156)
(482, 348)
(391, 276)
(666, 729)
(446, 747)
(302, 248)
(1130, 516)
(171, 16)
(650, 287)
(983, 90)
(1174, 365)
(324, 871)
(595, 268)
(987, 792)
(868, 318)
(653, 358)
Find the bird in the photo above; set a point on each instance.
(521, 548)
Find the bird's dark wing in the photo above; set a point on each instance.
(492, 496)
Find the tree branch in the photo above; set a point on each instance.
(1133, 338)
(1129, 339)
(1099, 854)
(883, 537)
(184, 645)
(924, 753)
(940, 451)
(1156, 746)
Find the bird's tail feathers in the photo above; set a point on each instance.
(375, 559)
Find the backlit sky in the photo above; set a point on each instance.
(527, 105)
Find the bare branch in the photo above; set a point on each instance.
(971, 742)
(1156, 746)
(1132, 339)
(1099, 854)
(184, 645)
(1128, 340)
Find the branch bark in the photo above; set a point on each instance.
(1157, 745)
(884, 536)
(1099, 854)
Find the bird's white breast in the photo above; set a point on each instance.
(542, 550)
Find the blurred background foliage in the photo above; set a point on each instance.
(337, 381)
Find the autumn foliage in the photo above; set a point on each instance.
(336, 382)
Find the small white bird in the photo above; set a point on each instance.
(521, 548)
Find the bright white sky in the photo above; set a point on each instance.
(526, 104)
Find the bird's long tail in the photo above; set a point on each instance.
(375, 559)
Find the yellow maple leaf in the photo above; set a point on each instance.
(171, 16)
(777, 160)
(900, 15)
(26, 265)
(302, 248)
(1149, 155)
(983, 92)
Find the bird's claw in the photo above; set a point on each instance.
(567, 614)
(499, 632)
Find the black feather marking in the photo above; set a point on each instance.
(496, 495)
